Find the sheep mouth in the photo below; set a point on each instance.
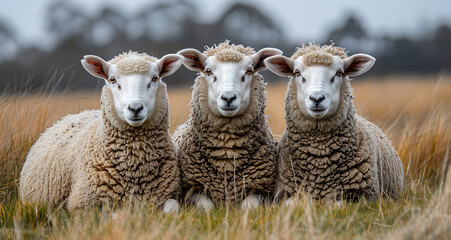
(228, 109)
(135, 119)
(317, 109)
(135, 122)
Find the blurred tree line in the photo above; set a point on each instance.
(170, 26)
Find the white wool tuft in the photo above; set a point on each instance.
(133, 62)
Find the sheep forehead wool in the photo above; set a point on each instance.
(315, 54)
(132, 62)
(225, 52)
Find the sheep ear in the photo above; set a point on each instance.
(194, 60)
(280, 65)
(96, 66)
(260, 56)
(169, 64)
(358, 64)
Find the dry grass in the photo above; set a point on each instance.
(414, 114)
(434, 222)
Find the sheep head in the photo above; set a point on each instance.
(228, 71)
(319, 73)
(134, 80)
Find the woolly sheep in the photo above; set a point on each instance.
(226, 150)
(121, 153)
(328, 151)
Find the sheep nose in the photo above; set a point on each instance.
(135, 108)
(317, 100)
(228, 99)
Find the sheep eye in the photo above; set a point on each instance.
(154, 78)
(297, 73)
(339, 73)
(112, 80)
(208, 71)
(249, 71)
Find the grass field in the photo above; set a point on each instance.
(414, 112)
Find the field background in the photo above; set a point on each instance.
(413, 111)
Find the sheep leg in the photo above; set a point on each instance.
(251, 202)
(82, 196)
(202, 202)
(171, 206)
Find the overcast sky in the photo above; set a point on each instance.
(300, 20)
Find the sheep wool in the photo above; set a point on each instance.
(341, 156)
(227, 158)
(91, 158)
(225, 52)
(133, 62)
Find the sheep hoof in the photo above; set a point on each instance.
(204, 204)
(339, 204)
(291, 202)
(115, 216)
(251, 202)
(171, 206)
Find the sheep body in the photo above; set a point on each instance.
(341, 156)
(92, 158)
(228, 158)
(47, 174)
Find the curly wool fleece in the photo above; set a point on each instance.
(345, 155)
(132, 62)
(315, 54)
(91, 158)
(226, 52)
(227, 158)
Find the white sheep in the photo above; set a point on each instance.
(122, 152)
(226, 150)
(328, 151)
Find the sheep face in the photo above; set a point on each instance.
(134, 86)
(229, 86)
(318, 87)
(229, 82)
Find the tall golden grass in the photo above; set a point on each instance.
(414, 112)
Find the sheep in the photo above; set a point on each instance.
(327, 151)
(122, 153)
(225, 149)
